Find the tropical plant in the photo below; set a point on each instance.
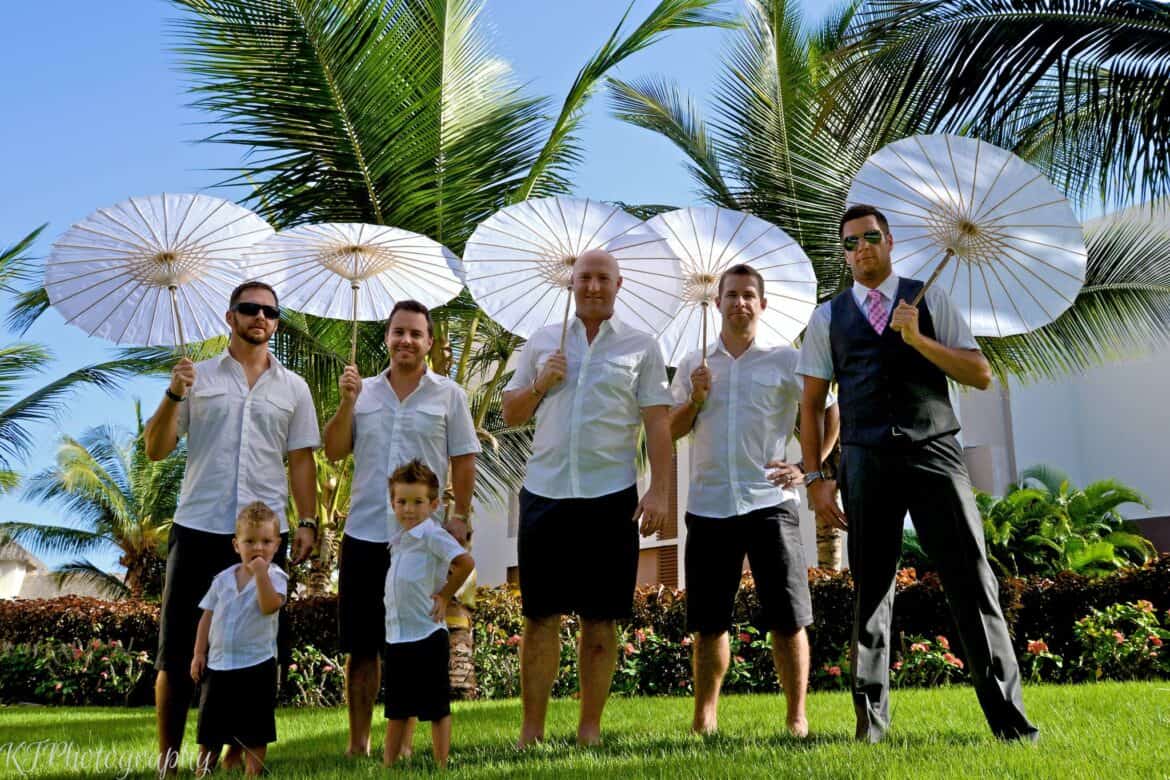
(796, 113)
(22, 364)
(115, 498)
(1043, 525)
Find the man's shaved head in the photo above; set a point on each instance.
(596, 279)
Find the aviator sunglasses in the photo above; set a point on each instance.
(249, 309)
(871, 237)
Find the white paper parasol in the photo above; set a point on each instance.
(352, 271)
(710, 240)
(1019, 253)
(152, 271)
(520, 261)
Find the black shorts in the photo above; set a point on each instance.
(716, 546)
(238, 706)
(193, 559)
(578, 555)
(361, 586)
(416, 678)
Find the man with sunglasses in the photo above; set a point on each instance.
(242, 411)
(892, 361)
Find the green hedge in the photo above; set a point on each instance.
(654, 648)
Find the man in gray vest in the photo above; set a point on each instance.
(891, 361)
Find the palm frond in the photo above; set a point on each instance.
(15, 269)
(1121, 312)
(55, 539)
(86, 572)
(561, 150)
(978, 62)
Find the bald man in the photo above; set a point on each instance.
(578, 541)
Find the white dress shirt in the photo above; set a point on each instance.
(950, 329)
(419, 559)
(241, 636)
(432, 424)
(237, 439)
(587, 425)
(746, 421)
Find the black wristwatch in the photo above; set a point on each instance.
(176, 398)
(812, 477)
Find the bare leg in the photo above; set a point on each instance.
(441, 740)
(234, 759)
(712, 655)
(540, 656)
(392, 751)
(363, 675)
(208, 758)
(254, 760)
(596, 661)
(790, 654)
(172, 696)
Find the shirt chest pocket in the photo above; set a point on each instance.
(209, 405)
(619, 373)
(274, 410)
(765, 388)
(430, 424)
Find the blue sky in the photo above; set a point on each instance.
(96, 113)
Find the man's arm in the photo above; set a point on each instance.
(822, 494)
(696, 386)
(162, 430)
(462, 485)
(339, 429)
(832, 431)
(655, 505)
(302, 473)
(520, 404)
(965, 366)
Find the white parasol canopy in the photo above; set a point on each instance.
(708, 241)
(354, 271)
(152, 271)
(520, 261)
(1018, 248)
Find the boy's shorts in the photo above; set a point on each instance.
(416, 678)
(238, 706)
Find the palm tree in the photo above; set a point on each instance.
(116, 499)
(22, 363)
(797, 112)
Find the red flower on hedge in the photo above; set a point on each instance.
(1155, 640)
(1120, 637)
(77, 653)
(955, 662)
(1144, 605)
(1037, 646)
(745, 637)
(639, 635)
(897, 665)
(630, 650)
(834, 671)
(513, 640)
(942, 642)
(685, 641)
(919, 647)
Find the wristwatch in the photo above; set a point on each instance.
(308, 522)
(812, 477)
(174, 396)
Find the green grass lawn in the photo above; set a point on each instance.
(1103, 730)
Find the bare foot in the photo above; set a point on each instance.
(798, 728)
(704, 727)
(529, 737)
(588, 737)
(357, 752)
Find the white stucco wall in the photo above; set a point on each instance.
(11, 578)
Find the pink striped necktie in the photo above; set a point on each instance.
(875, 310)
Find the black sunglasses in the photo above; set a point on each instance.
(249, 309)
(871, 237)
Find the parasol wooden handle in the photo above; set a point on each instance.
(565, 320)
(353, 334)
(922, 293)
(704, 353)
(178, 320)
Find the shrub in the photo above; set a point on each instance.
(1038, 664)
(1123, 642)
(313, 679)
(924, 662)
(95, 673)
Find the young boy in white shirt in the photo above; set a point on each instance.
(235, 648)
(427, 566)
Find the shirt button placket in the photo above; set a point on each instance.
(575, 423)
(732, 433)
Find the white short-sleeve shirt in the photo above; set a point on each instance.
(587, 426)
(241, 636)
(432, 424)
(745, 422)
(419, 559)
(950, 329)
(237, 439)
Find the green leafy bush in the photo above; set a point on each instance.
(926, 662)
(52, 672)
(313, 679)
(1123, 642)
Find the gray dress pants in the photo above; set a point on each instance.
(930, 481)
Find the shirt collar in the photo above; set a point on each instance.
(888, 289)
(614, 323)
(416, 533)
(719, 346)
(273, 363)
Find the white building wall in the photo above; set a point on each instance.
(11, 578)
